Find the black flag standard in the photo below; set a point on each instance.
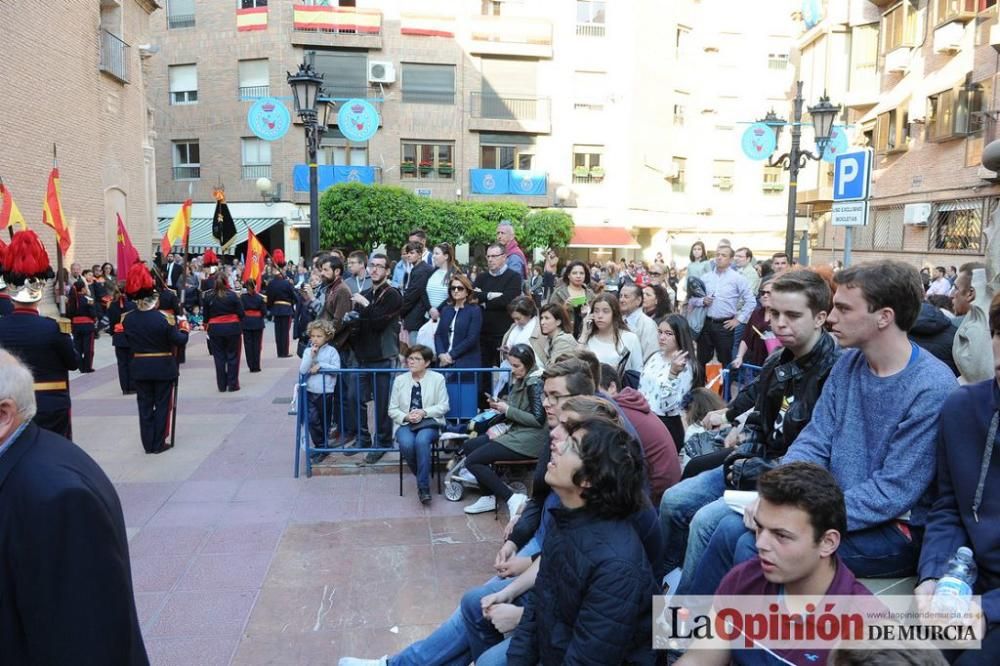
(223, 227)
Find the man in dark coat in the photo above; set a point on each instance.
(66, 584)
(414, 312)
(281, 303)
(935, 332)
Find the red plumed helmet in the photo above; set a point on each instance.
(26, 259)
(210, 258)
(279, 257)
(139, 283)
(3, 254)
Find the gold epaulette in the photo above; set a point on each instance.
(171, 319)
(65, 325)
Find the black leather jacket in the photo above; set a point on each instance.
(781, 376)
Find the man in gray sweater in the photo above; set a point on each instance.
(874, 428)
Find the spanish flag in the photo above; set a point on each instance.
(177, 232)
(9, 214)
(252, 18)
(127, 254)
(52, 212)
(254, 268)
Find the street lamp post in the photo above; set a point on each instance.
(306, 91)
(823, 115)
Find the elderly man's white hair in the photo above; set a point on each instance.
(506, 223)
(17, 384)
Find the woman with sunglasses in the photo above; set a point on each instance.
(456, 341)
(753, 349)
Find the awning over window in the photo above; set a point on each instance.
(201, 238)
(598, 237)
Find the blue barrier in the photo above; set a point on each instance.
(749, 375)
(462, 385)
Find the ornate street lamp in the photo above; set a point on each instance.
(306, 87)
(823, 116)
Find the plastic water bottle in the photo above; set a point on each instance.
(954, 588)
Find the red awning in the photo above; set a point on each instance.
(603, 237)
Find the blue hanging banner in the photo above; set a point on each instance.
(358, 120)
(490, 181)
(812, 12)
(758, 141)
(269, 119)
(329, 175)
(527, 183)
(838, 144)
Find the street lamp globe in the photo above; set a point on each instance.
(264, 185)
(305, 85)
(324, 111)
(823, 115)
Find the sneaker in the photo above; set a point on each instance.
(373, 457)
(354, 661)
(466, 476)
(348, 442)
(425, 496)
(515, 503)
(482, 505)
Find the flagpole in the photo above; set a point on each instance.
(187, 259)
(60, 285)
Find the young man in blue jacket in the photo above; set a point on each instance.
(967, 509)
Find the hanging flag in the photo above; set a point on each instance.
(127, 254)
(9, 214)
(177, 232)
(223, 227)
(253, 269)
(52, 212)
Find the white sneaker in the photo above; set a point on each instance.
(354, 661)
(515, 503)
(482, 505)
(465, 475)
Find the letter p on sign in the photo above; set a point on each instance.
(852, 175)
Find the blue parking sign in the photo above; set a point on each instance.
(852, 175)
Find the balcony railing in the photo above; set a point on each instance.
(255, 171)
(511, 35)
(180, 21)
(336, 20)
(504, 107)
(252, 92)
(114, 56)
(590, 29)
(191, 172)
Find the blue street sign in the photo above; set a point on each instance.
(852, 175)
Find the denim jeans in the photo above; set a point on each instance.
(446, 646)
(703, 526)
(679, 505)
(496, 655)
(882, 551)
(415, 449)
(383, 424)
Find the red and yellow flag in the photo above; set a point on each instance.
(256, 254)
(52, 212)
(178, 230)
(9, 214)
(127, 254)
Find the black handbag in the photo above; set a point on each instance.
(424, 423)
(630, 378)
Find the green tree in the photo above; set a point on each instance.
(543, 228)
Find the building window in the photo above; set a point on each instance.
(946, 11)
(986, 4)
(183, 84)
(722, 174)
(254, 78)
(250, 4)
(256, 159)
(892, 131)
(187, 160)
(427, 160)
(500, 156)
(957, 225)
(777, 61)
(491, 7)
(590, 89)
(679, 176)
(180, 14)
(899, 26)
(590, 18)
(680, 107)
(772, 180)
(587, 167)
(955, 113)
(345, 74)
(428, 84)
(335, 149)
(682, 42)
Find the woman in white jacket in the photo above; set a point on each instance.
(418, 405)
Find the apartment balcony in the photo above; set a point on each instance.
(506, 113)
(253, 92)
(180, 21)
(343, 27)
(510, 36)
(590, 30)
(114, 56)
(189, 172)
(255, 171)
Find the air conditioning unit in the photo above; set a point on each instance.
(725, 183)
(381, 72)
(948, 38)
(672, 172)
(987, 174)
(916, 214)
(898, 60)
(995, 37)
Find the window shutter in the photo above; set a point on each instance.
(429, 84)
(183, 78)
(253, 73)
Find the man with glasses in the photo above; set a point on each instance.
(743, 259)
(495, 288)
(376, 345)
(516, 261)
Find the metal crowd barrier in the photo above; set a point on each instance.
(463, 386)
(748, 373)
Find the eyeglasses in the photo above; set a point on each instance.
(652, 274)
(493, 256)
(554, 398)
(378, 266)
(457, 287)
(566, 446)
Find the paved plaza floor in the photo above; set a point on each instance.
(234, 561)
